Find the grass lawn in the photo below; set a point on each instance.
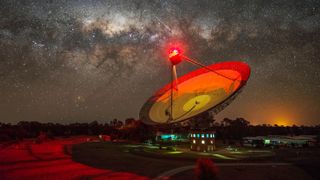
(117, 157)
(150, 161)
(65, 158)
(255, 173)
(219, 155)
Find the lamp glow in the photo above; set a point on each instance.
(175, 56)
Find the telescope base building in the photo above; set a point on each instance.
(202, 141)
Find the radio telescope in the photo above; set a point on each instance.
(209, 88)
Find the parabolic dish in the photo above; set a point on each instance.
(196, 92)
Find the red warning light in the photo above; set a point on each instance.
(174, 56)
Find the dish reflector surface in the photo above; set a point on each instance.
(195, 93)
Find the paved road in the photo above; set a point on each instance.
(172, 172)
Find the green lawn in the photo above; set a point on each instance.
(150, 161)
(117, 157)
(220, 155)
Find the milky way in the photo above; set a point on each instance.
(80, 61)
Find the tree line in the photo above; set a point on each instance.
(136, 130)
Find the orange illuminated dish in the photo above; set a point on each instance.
(195, 93)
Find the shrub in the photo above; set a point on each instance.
(205, 169)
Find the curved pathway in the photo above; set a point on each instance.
(172, 172)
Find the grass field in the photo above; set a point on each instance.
(150, 161)
(74, 158)
(254, 173)
(219, 155)
(51, 160)
(119, 157)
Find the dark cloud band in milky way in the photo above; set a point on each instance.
(67, 61)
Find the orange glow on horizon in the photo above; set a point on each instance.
(282, 121)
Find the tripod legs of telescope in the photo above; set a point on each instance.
(171, 94)
(175, 77)
(171, 101)
(174, 86)
(205, 67)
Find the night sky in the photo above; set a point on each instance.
(80, 61)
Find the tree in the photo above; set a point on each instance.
(234, 129)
